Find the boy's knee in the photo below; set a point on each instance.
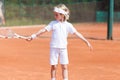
(53, 67)
(64, 67)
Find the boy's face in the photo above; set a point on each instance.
(59, 16)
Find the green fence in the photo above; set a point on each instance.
(35, 12)
(102, 16)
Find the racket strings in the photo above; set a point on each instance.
(7, 33)
(10, 34)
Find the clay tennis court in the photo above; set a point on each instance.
(22, 60)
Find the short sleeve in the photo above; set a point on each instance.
(49, 26)
(71, 29)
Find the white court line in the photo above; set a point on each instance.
(26, 26)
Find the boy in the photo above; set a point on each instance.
(58, 46)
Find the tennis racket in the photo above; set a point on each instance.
(8, 33)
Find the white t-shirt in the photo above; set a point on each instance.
(60, 32)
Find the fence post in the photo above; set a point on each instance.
(110, 19)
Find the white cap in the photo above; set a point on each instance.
(58, 10)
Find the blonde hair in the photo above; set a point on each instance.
(64, 8)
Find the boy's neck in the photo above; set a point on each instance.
(60, 20)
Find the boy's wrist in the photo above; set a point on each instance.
(33, 36)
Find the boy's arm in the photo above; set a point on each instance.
(81, 37)
(33, 36)
(40, 32)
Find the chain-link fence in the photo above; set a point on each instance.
(30, 12)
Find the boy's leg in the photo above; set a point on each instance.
(64, 71)
(54, 54)
(53, 72)
(64, 62)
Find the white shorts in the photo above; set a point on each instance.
(57, 54)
